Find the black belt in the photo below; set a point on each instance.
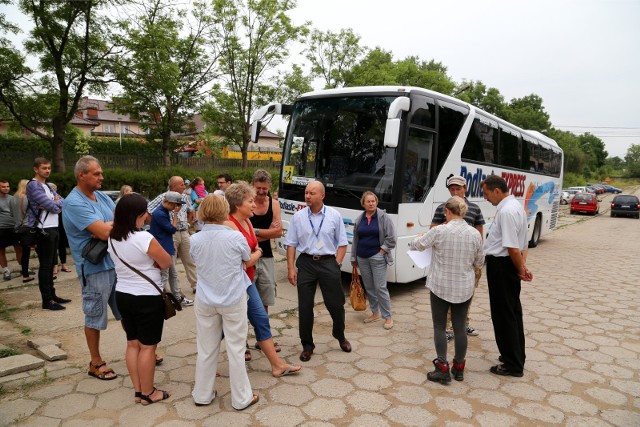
(317, 257)
(183, 229)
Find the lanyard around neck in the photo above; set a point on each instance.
(313, 230)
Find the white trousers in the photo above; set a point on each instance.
(210, 323)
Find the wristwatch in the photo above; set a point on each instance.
(257, 231)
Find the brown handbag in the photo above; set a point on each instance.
(356, 294)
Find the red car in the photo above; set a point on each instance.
(584, 202)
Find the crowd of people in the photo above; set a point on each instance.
(223, 239)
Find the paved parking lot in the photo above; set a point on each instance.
(583, 355)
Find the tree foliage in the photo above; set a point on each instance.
(254, 37)
(379, 68)
(165, 68)
(528, 113)
(632, 160)
(332, 55)
(68, 41)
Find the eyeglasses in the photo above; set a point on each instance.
(222, 182)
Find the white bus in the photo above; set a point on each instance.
(402, 143)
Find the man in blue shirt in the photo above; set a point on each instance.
(318, 233)
(163, 228)
(88, 213)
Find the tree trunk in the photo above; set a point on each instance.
(57, 145)
(166, 155)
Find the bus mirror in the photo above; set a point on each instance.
(391, 133)
(255, 130)
(392, 129)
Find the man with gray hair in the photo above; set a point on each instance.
(88, 213)
(181, 238)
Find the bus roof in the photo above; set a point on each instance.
(406, 90)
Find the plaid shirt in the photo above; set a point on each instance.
(457, 249)
(183, 214)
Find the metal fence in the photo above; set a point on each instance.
(19, 161)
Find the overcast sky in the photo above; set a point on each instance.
(580, 56)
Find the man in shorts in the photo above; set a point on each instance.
(88, 213)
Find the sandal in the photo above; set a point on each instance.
(276, 346)
(137, 396)
(247, 355)
(94, 371)
(255, 400)
(159, 360)
(145, 399)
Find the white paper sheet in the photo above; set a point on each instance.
(421, 259)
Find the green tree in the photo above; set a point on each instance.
(332, 55)
(528, 113)
(594, 148)
(165, 69)
(477, 93)
(379, 68)
(68, 41)
(633, 161)
(575, 159)
(254, 37)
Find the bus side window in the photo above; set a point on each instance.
(417, 165)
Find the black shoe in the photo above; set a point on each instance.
(52, 305)
(503, 371)
(345, 346)
(61, 300)
(441, 373)
(305, 356)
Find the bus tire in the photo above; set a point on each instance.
(537, 229)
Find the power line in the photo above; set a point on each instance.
(599, 127)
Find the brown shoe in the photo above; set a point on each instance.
(345, 346)
(305, 356)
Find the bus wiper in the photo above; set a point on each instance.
(347, 191)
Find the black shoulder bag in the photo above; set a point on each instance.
(171, 303)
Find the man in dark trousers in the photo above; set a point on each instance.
(505, 251)
(318, 233)
(44, 207)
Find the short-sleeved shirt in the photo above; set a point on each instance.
(508, 230)
(183, 214)
(6, 217)
(79, 212)
(321, 233)
(134, 250)
(218, 252)
(473, 217)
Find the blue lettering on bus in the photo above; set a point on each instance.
(473, 181)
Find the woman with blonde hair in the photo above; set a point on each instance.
(19, 205)
(221, 304)
(457, 252)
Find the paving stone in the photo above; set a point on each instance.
(492, 419)
(365, 401)
(576, 421)
(410, 416)
(68, 405)
(607, 395)
(369, 420)
(459, 406)
(14, 410)
(572, 404)
(93, 385)
(325, 409)
(96, 422)
(371, 382)
(491, 397)
(42, 341)
(289, 394)
(331, 388)
(38, 421)
(19, 363)
(524, 391)
(280, 416)
(141, 416)
(51, 352)
(536, 411)
(51, 391)
(554, 384)
(621, 417)
(228, 419)
(412, 395)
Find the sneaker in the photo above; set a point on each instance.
(471, 331)
(186, 302)
(449, 336)
(6, 275)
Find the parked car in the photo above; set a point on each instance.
(597, 188)
(584, 202)
(625, 204)
(579, 189)
(611, 189)
(566, 196)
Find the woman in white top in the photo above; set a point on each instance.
(457, 251)
(139, 301)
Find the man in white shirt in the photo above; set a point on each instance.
(505, 253)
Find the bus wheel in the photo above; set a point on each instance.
(537, 229)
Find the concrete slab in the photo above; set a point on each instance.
(20, 363)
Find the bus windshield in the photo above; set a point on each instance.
(339, 141)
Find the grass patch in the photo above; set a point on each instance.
(6, 352)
